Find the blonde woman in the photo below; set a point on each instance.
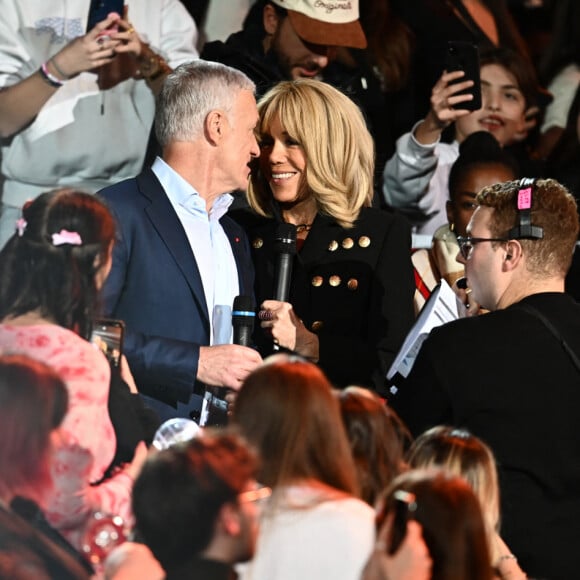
(461, 453)
(350, 299)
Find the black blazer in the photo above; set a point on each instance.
(353, 287)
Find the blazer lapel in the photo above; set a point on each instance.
(166, 222)
(242, 256)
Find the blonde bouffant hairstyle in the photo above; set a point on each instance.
(338, 147)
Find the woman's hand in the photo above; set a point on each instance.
(91, 51)
(129, 41)
(288, 331)
(504, 562)
(410, 562)
(444, 98)
(127, 375)
(141, 453)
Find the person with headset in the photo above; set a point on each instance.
(511, 377)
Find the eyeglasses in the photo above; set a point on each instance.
(466, 244)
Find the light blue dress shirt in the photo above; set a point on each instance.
(209, 244)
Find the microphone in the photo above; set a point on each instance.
(214, 407)
(243, 320)
(285, 248)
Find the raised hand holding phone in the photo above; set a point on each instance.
(464, 56)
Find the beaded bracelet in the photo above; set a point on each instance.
(48, 77)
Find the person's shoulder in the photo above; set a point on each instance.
(473, 329)
(248, 219)
(114, 193)
(384, 223)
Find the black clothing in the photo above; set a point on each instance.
(202, 569)
(29, 511)
(26, 553)
(508, 380)
(132, 420)
(352, 287)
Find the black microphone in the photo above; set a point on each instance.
(243, 320)
(285, 248)
(215, 408)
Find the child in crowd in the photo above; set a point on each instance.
(415, 178)
(481, 162)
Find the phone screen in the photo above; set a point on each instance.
(107, 335)
(100, 9)
(465, 56)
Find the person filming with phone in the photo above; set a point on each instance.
(77, 84)
(416, 177)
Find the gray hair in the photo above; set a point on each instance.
(190, 93)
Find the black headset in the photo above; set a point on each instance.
(525, 230)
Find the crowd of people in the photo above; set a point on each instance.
(323, 166)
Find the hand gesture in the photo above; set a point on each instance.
(226, 365)
(91, 51)
(444, 99)
(410, 562)
(288, 331)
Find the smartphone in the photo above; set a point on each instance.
(404, 506)
(108, 335)
(465, 56)
(100, 9)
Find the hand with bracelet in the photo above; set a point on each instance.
(95, 49)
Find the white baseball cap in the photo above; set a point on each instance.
(326, 22)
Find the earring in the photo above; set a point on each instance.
(451, 227)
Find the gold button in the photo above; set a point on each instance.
(317, 281)
(347, 243)
(333, 246)
(257, 243)
(364, 241)
(352, 284)
(316, 325)
(334, 281)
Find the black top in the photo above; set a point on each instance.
(352, 287)
(201, 569)
(507, 379)
(26, 553)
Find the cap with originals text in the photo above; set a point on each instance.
(326, 22)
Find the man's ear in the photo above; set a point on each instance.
(513, 255)
(229, 519)
(271, 20)
(215, 126)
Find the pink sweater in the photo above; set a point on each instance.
(85, 443)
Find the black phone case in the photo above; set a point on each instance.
(100, 9)
(465, 56)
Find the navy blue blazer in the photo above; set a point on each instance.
(156, 288)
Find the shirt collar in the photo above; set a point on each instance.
(182, 193)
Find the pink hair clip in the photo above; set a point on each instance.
(21, 226)
(66, 237)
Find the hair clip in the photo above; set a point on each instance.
(66, 237)
(21, 226)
